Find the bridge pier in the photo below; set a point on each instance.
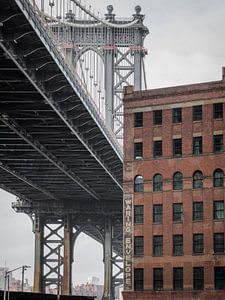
(107, 291)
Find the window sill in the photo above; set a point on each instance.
(178, 254)
(198, 254)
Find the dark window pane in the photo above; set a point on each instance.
(138, 119)
(157, 148)
(138, 183)
(218, 210)
(197, 145)
(218, 178)
(218, 110)
(177, 115)
(178, 244)
(178, 279)
(197, 180)
(138, 214)
(198, 278)
(157, 117)
(197, 113)
(138, 150)
(198, 243)
(178, 181)
(218, 143)
(197, 211)
(177, 212)
(158, 182)
(158, 279)
(218, 242)
(138, 279)
(157, 213)
(219, 275)
(177, 147)
(138, 245)
(158, 245)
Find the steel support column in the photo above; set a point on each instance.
(67, 260)
(38, 259)
(138, 61)
(107, 293)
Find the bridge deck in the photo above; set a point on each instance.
(55, 152)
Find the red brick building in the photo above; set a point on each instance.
(174, 192)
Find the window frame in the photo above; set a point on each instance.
(217, 211)
(177, 182)
(177, 115)
(178, 214)
(218, 181)
(138, 245)
(157, 245)
(198, 278)
(217, 111)
(218, 244)
(197, 149)
(177, 147)
(157, 119)
(138, 119)
(138, 184)
(198, 243)
(178, 279)
(157, 216)
(178, 245)
(138, 279)
(157, 149)
(138, 215)
(195, 211)
(158, 279)
(138, 150)
(219, 281)
(197, 113)
(197, 180)
(157, 185)
(218, 143)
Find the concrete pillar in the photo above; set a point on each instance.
(107, 293)
(138, 61)
(67, 259)
(38, 258)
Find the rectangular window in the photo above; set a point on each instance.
(177, 115)
(138, 119)
(197, 113)
(198, 278)
(177, 147)
(158, 245)
(138, 245)
(178, 244)
(219, 275)
(217, 110)
(219, 242)
(157, 117)
(157, 213)
(218, 143)
(177, 212)
(158, 279)
(178, 279)
(138, 150)
(198, 243)
(197, 145)
(218, 210)
(197, 211)
(138, 279)
(157, 148)
(138, 214)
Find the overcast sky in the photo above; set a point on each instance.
(186, 44)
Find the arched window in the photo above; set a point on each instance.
(139, 183)
(197, 180)
(157, 182)
(218, 178)
(178, 181)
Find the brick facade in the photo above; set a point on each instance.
(209, 131)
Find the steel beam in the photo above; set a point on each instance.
(67, 259)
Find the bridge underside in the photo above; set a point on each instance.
(54, 155)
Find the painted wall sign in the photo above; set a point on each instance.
(128, 241)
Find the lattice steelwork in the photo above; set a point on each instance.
(106, 51)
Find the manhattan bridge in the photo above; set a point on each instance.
(63, 68)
